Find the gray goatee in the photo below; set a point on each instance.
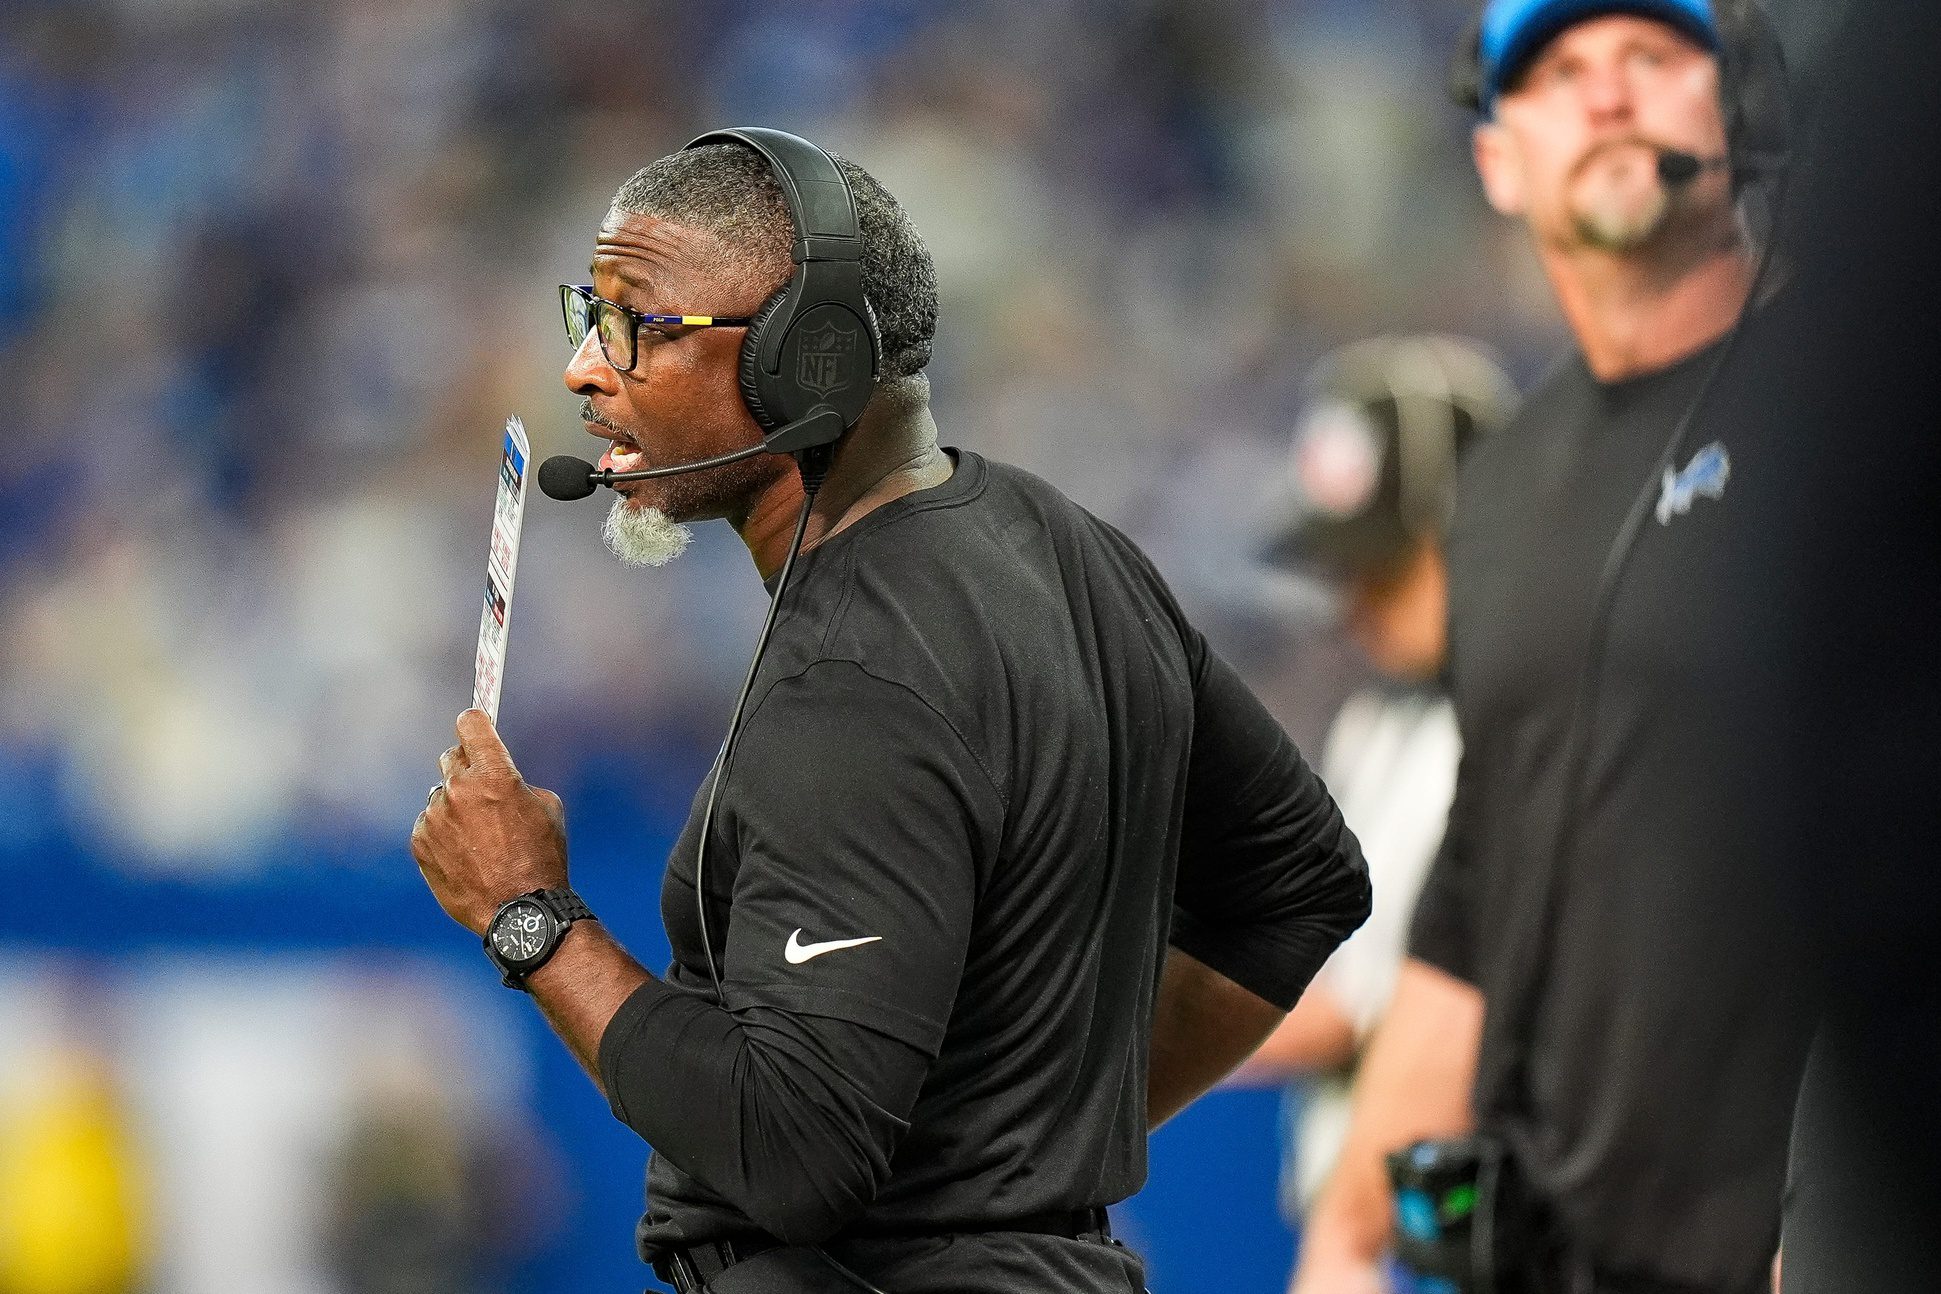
(643, 536)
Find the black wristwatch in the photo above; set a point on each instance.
(524, 933)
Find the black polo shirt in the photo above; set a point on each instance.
(989, 772)
(1644, 1029)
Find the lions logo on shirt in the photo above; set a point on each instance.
(1704, 477)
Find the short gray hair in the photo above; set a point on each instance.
(728, 190)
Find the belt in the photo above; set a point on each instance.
(692, 1267)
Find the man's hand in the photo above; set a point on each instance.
(485, 836)
(1339, 1276)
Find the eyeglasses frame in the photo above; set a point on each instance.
(585, 292)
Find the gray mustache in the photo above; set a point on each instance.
(588, 414)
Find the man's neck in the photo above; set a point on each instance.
(885, 457)
(1635, 314)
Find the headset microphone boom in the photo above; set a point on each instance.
(1676, 169)
(566, 478)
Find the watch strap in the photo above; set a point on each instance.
(564, 904)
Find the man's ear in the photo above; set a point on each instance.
(1501, 167)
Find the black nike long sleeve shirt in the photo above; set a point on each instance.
(988, 775)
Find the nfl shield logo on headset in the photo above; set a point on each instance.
(824, 362)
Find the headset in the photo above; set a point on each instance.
(812, 355)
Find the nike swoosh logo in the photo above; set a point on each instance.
(798, 952)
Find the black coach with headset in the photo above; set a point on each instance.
(999, 864)
(1613, 887)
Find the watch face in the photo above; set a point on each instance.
(520, 932)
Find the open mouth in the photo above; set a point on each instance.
(622, 454)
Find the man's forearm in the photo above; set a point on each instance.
(1317, 1037)
(1203, 1026)
(751, 1101)
(1414, 1083)
(581, 987)
(743, 1100)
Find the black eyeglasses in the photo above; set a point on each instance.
(619, 328)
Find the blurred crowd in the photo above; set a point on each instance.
(272, 276)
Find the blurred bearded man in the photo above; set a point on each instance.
(1594, 1047)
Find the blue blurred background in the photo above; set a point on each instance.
(271, 278)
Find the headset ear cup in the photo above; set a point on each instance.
(751, 369)
(1755, 91)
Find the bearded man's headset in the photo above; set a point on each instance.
(810, 361)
